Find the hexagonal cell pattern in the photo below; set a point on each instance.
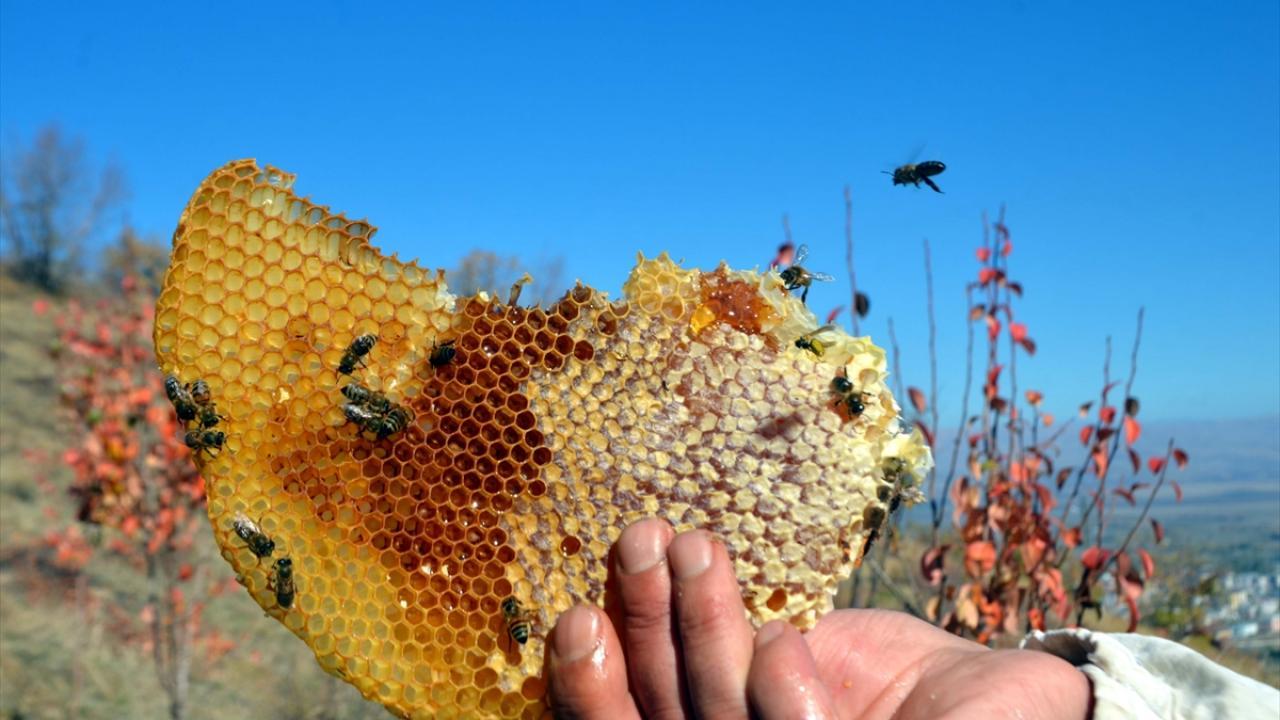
(527, 452)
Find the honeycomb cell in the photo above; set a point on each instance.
(524, 456)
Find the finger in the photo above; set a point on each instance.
(715, 638)
(648, 632)
(588, 674)
(783, 682)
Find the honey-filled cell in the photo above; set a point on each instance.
(446, 493)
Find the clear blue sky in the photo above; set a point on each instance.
(1137, 146)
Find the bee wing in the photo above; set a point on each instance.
(821, 277)
(801, 253)
(932, 184)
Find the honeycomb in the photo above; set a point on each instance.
(547, 432)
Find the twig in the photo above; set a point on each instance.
(933, 360)
(894, 589)
(940, 503)
(1164, 470)
(848, 256)
(897, 370)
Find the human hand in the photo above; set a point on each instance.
(679, 645)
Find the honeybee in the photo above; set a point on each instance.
(374, 401)
(810, 342)
(898, 485)
(847, 395)
(441, 354)
(382, 424)
(796, 276)
(180, 396)
(519, 622)
(354, 355)
(205, 441)
(282, 580)
(914, 174)
(209, 415)
(200, 392)
(248, 531)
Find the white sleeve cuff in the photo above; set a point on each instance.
(1135, 676)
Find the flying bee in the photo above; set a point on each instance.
(441, 354)
(248, 531)
(205, 441)
(809, 341)
(354, 355)
(519, 622)
(181, 398)
(200, 392)
(282, 579)
(914, 174)
(373, 400)
(796, 276)
(847, 395)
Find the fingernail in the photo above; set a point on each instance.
(769, 633)
(641, 546)
(690, 554)
(577, 634)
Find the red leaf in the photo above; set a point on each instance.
(1100, 461)
(926, 432)
(993, 327)
(40, 307)
(979, 558)
(986, 275)
(974, 438)
(1016, 288)
(1131, 430)
(931, 564)
(1071, 537)
(1180, 457)
(1006, 248)
(1107, 414)
(1029, 345)
(1047, 418)
(1126, 495)
(1034, 397)
(1135, 459)
(976, 312)
(835, 313)
(1177, 490)
(1035, 617)
(1094, 557)
(1086, 433)
(984, 254)
(1084, 409)
(1156, 464)
(1017, 331)
(185, 572)
(917, 399)
(1133, 614)
(1158, 530)
(1148, 564)
(1063, 474)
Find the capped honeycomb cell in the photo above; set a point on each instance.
(457, 483)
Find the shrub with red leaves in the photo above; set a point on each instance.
(132, 474)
